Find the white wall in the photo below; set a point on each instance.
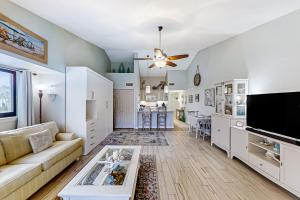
(268, 56)
(8, 123)
(179, 78)
(120, 80)
(65, 49)
(115, 66)
(53, 107)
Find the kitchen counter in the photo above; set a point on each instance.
(170, 119)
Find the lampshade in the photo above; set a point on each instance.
(148, 89)
(160, 63)
(166, 89)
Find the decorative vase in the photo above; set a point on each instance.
(121, 68)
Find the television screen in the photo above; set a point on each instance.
(278, 113)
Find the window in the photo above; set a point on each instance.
(7, 93)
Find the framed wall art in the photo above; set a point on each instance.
(19, 40)
(209, 98)
(197, 96)
(191, 98)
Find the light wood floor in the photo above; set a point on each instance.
(190, 169)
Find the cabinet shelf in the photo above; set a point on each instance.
(267, 148)
(261, 156)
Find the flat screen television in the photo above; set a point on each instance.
(277, 112)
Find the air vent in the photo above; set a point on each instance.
(129, 84)
(171, 83)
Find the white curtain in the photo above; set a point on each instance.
(25, 107)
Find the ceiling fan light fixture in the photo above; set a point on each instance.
(160, 63)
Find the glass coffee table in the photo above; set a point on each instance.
(110, 175)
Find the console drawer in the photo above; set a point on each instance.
(267, 167)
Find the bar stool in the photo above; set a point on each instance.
(161, 118)
(146, 118)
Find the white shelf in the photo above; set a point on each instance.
(267, 148)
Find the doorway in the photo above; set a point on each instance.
(124, 108)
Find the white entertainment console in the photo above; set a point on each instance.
(283, 169)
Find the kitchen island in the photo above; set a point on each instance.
(170, 119)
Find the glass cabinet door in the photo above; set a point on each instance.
(240, 99)
(228, 98)
(219, 99)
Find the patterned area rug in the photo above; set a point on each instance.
(143, 138)
(147, 181)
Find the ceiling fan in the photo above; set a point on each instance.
(160, 58)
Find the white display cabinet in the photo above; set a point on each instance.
(231, 98)
(231, 109)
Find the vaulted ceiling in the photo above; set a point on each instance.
(123, 27)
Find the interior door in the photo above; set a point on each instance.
(124, 108)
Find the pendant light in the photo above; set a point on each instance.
(148, 89)
(166, 89)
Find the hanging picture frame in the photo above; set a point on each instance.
(19, 40)
(197, 96)
(209, 97)
(191, 98)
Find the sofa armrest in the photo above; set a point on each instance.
(65, 136)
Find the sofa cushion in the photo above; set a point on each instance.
(18, 138)
(52, 155)
(15, 146)
(2, 156)
(14, 176)
(52, 127)
(40, 141)
(65, 136)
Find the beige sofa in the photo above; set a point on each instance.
(22, 172)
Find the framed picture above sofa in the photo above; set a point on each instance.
(19, 40)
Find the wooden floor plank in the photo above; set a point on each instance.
(189, 169)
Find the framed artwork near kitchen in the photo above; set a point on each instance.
(197, 96)
(19, 40)
(190, 98)
(209, 98)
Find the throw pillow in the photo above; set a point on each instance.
(40, 141)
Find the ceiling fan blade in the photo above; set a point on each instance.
(142, 58)
(158, 53)
(171, 64)
(151, 66)
(177, 57)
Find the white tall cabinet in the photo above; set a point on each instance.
(230, 109)
(89, 105)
